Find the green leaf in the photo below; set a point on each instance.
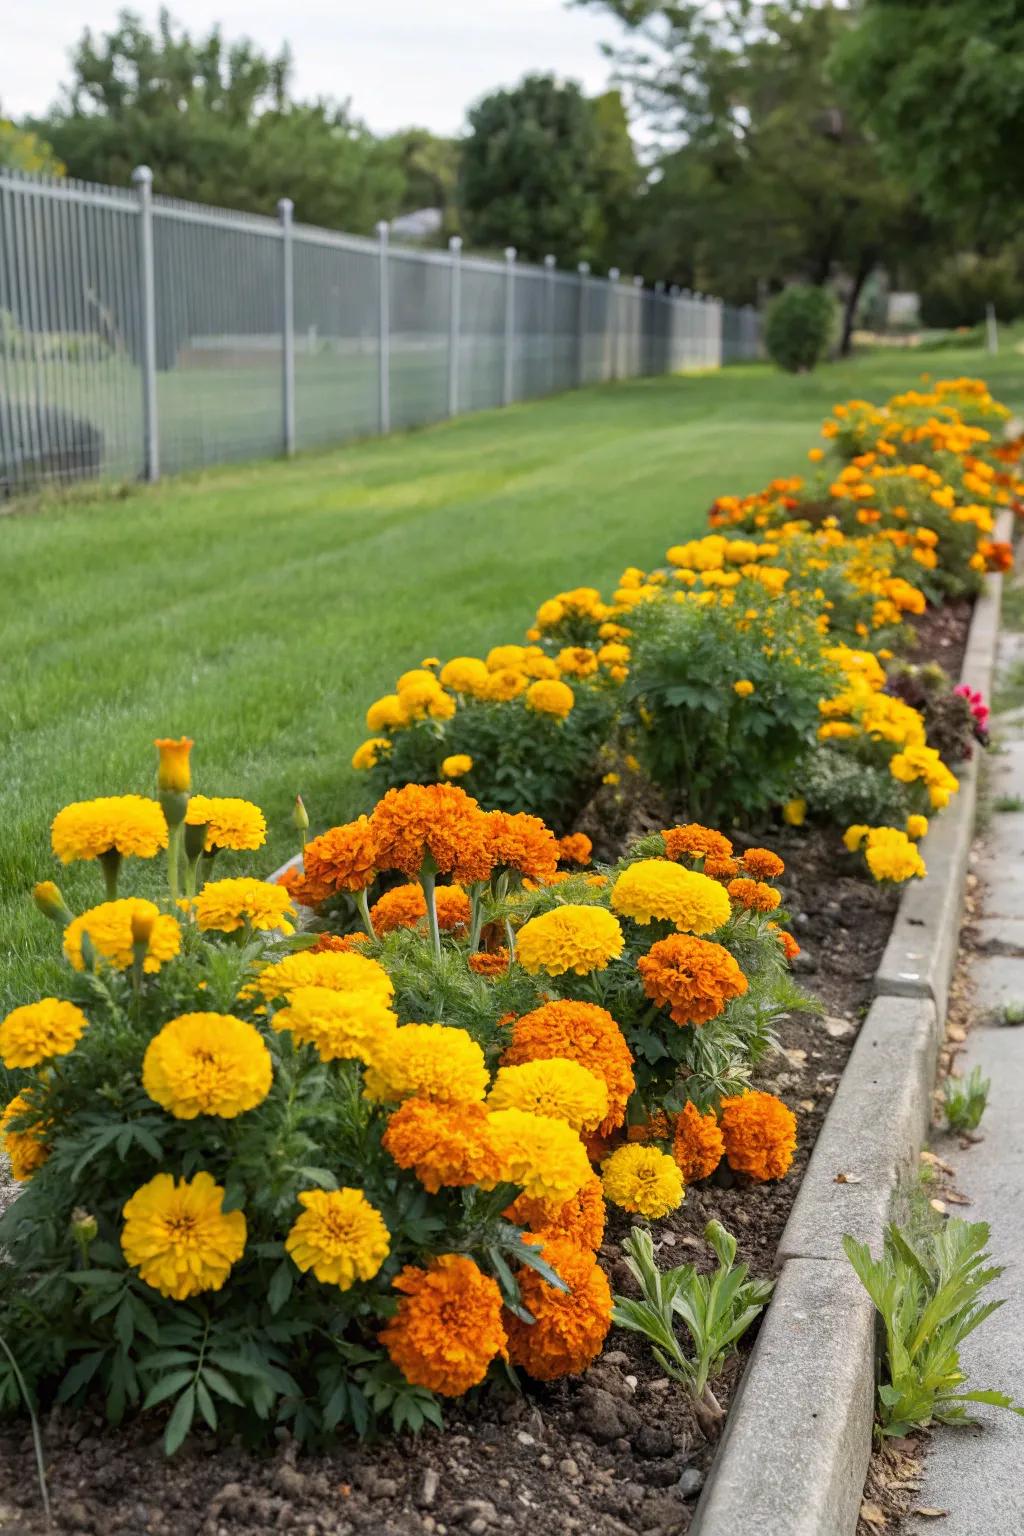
(80, 1374)
(206, 1404)
(280, 1287)
(180, 1422)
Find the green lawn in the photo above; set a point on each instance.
(260, 608)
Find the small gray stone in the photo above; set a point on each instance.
(568, 1467)
(839, 1029)
(691, 1481)
(428, 1489)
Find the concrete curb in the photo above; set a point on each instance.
(798, 1438)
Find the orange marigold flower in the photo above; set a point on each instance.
(448, 1327)
(436, 820)
(575, 848)
(343, 859)
(695, 841)
(303, 890)
(444, 1145)
(489, 962)
(401, 907)
(790, 947)
(581, 1219)
(721, 869)
(692, 978)
(523, 843)
(453, 908)
(338, 943)
(570, 1326)
(698, 1143)
(581, 1032)
(763, 864)
(754, 895)
(760, 1135)
(655, 1128)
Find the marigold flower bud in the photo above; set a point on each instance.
(142, 928)
(173, 771)
(300, 816)
(48, 898)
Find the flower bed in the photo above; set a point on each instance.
(335, 1179)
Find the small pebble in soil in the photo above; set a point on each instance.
(691, 1481)
(653, 1440)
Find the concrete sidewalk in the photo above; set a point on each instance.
(977, 1475)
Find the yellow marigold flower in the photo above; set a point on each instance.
(50, 902)
(760, 1135)
(448, 1326)
(370, 752)
(558, 1087)
(550, 697)
(109, 927)
(692, 978)
(387, 713)
(340, 1236)
(697, 1143)
(580, 1032)
(174, 772)
(415, 676)
(507, 683)
(642, 1179)
(917, 827)
(428, 1061)
(36, 1032)
(341, 1026)
(611, 778)
(26, 1150)
(854, 837)
(422, 698)
(339, 972)
(578, 660)
(502, 657)
(225, 906)
(569, 938)
(456, 765)
(815, 455)
(569, 1326)
(890, 855)
(465, 674)
(545, 1157)
(658, 889)
(229, 823)
(743, 688)
(125, 824)
(179, 1238)
(794, 812)
(207, 1064)
(444, 1144)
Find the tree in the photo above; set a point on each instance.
(429, 167)
(533, 169)
(21, 150)
(765, 173)
(943, 88)
(216, 124)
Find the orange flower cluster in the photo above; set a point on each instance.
(580, 1220)
(754, 895)
(697, 1144)
(523, 843)
(448, 1326)
(763, 864)
(489, 962)
(696, 842)
(444, 1145)
(405, 905)
(692, 978)
(436, 821)
(760, 1135)
(343, 859)
(575, 848)
(570, 1326)
(580, 1032)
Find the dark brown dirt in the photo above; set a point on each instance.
(615, 1452)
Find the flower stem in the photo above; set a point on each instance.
(364, 912)
(174, 861)
(428, 883)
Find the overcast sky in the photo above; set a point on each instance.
(400, 62)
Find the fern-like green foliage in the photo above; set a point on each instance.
(964, 1100)
(928, 1298)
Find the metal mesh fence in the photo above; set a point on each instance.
(142, 335)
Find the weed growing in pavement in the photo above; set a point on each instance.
(964, 1100)
(926, 1293)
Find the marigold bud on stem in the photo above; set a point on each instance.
(48, 898)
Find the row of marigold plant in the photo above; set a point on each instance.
(305, 1178)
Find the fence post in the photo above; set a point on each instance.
(638, 324)
(549, 316)
(454, 322)
(613, 318)
(142, 180)
(583, 268)
(384, 329)
(285, 210)
(508, 384)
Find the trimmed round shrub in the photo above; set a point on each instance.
(798, 327)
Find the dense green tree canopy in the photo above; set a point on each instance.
(216, 124)
(547, 170)
(21, 150)
(942, 86)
